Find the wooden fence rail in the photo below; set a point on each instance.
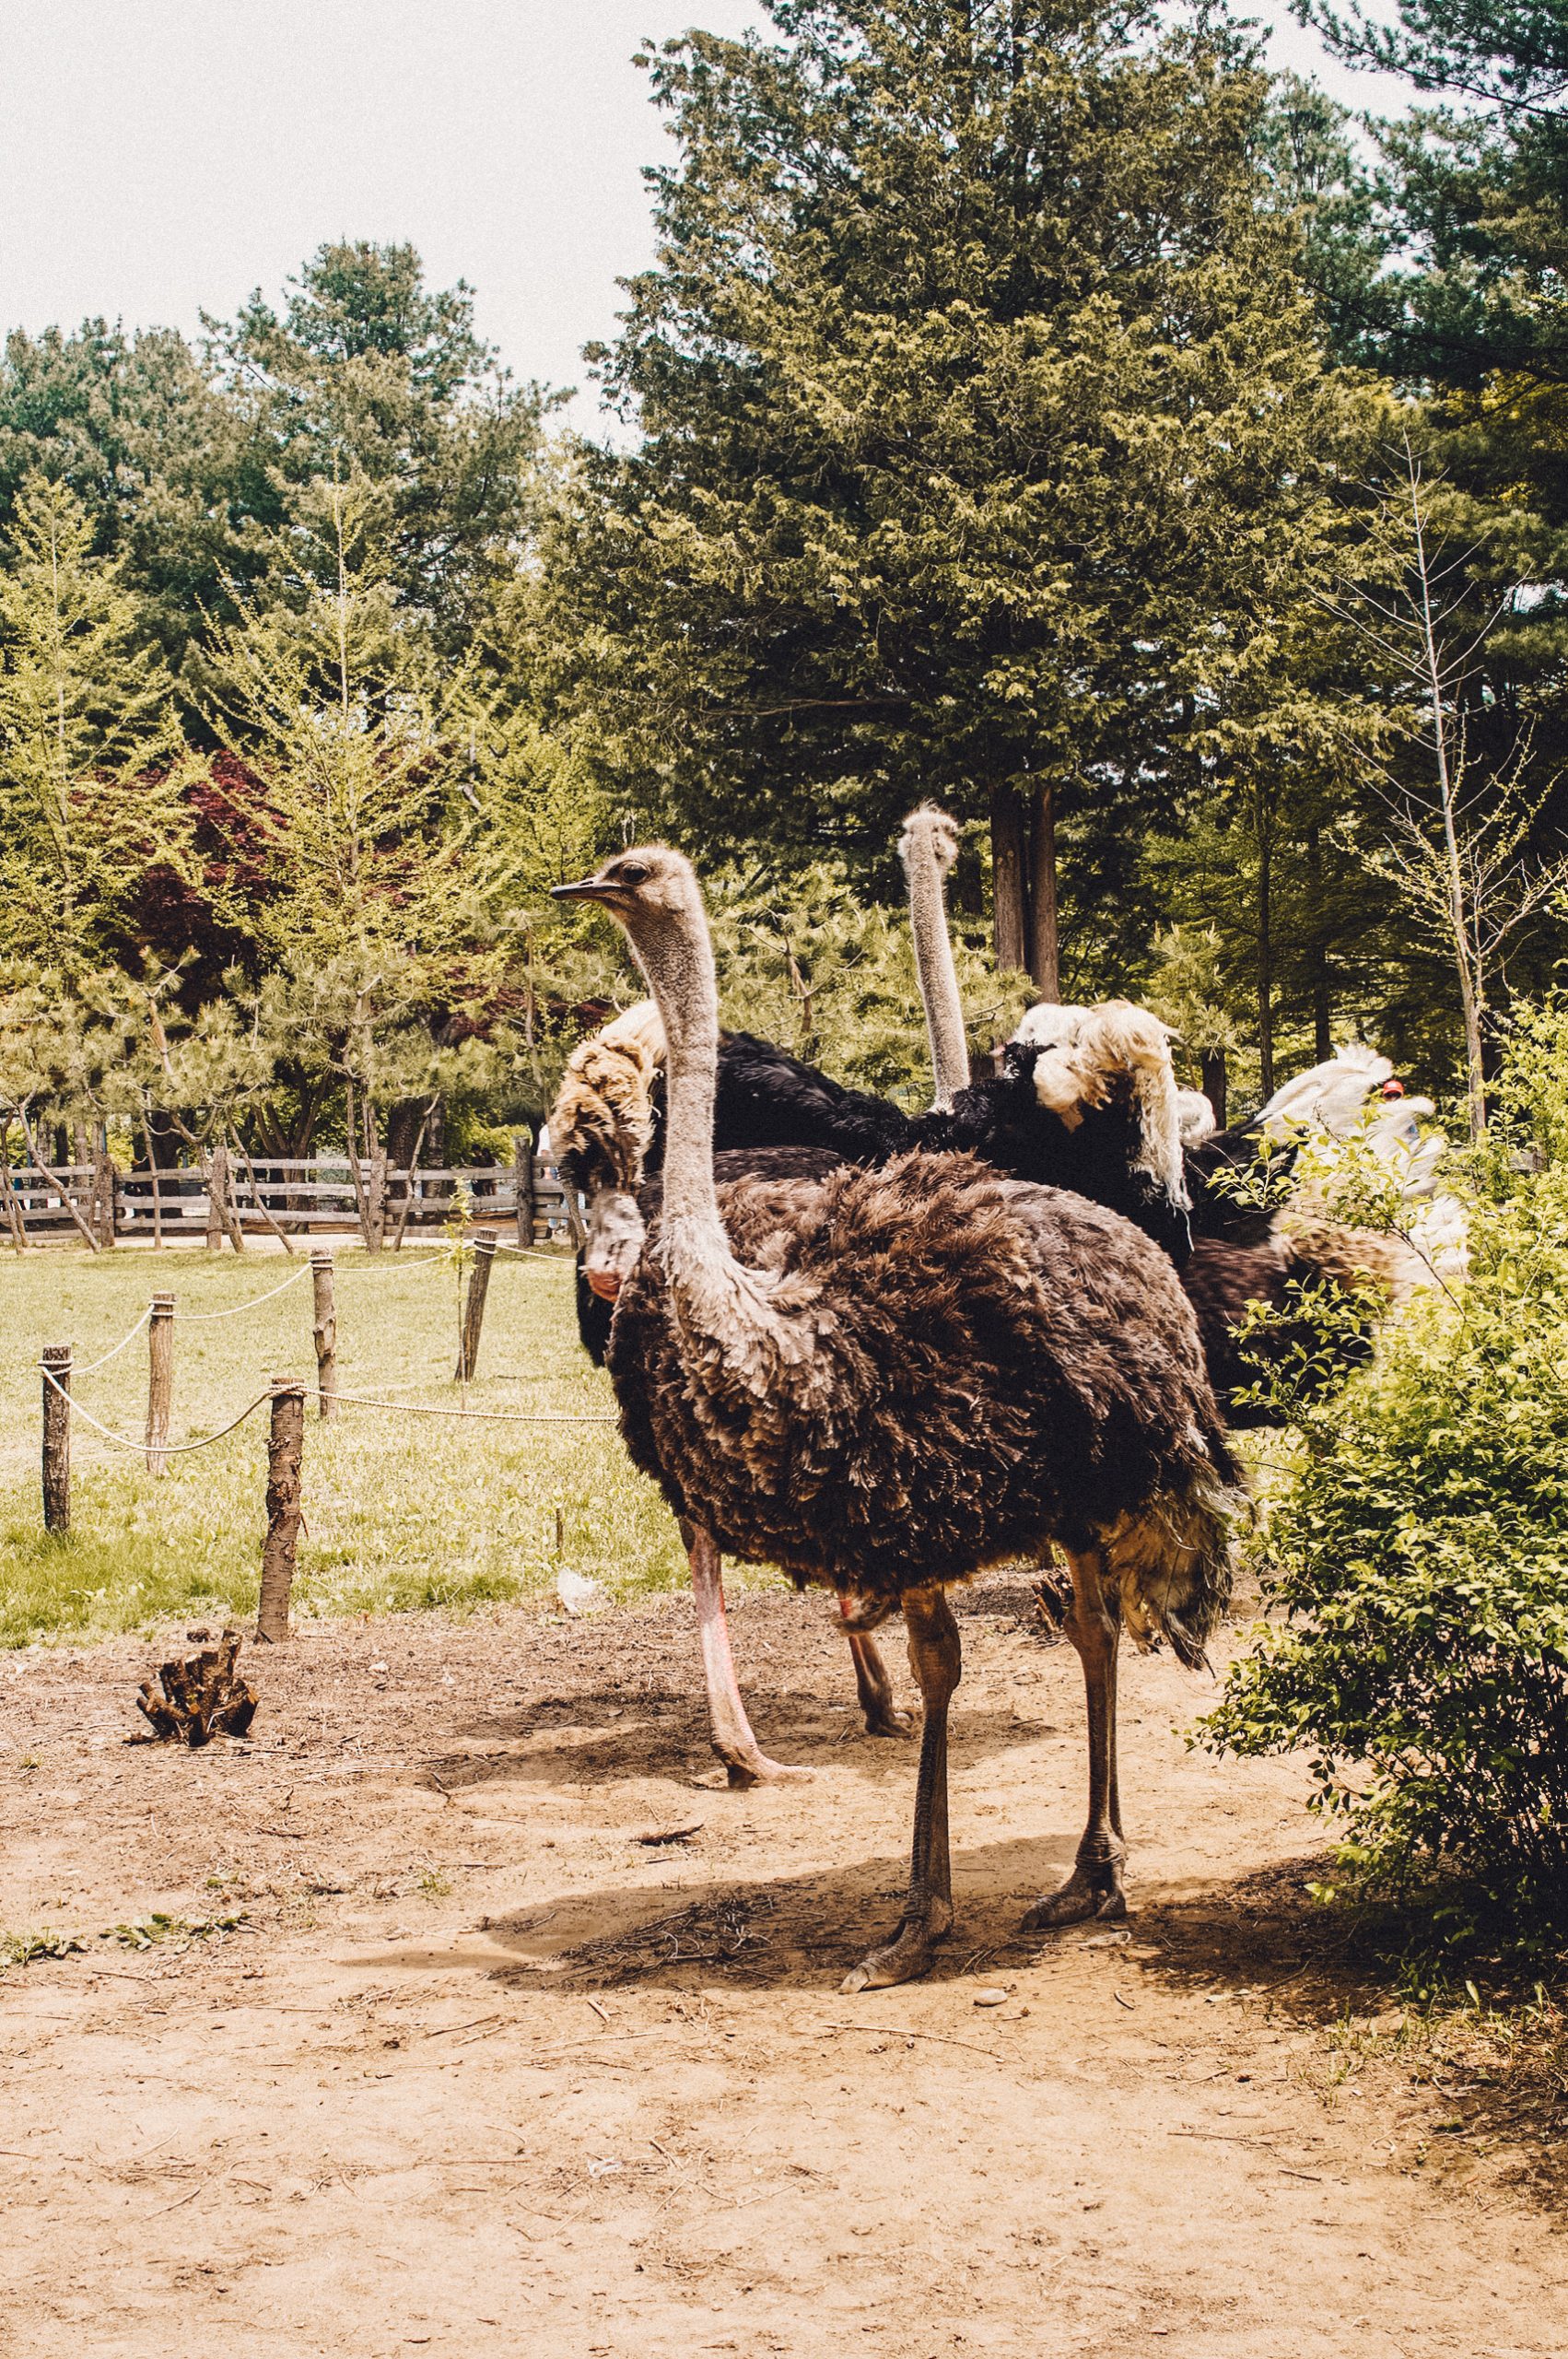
(309, 1194)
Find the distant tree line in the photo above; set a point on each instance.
(1033, 404)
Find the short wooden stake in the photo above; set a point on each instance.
(522, 1163)
(324, 1329)
(473, 1304)
(161, 1381)
(286, 1445)
(57, 1437)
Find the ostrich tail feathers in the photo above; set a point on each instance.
(1090, 1055)
(602, 1121)
(1352, 1258)
(1172, 1565)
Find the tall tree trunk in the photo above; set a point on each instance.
(1009, 898)
(1265, 961)
(1044, 951)
(1322, 997)
(1214, 1081)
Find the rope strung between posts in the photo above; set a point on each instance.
(201, 1317)
(114, 1351)
(479, 1416)
(166, 1449)
(359, 1399)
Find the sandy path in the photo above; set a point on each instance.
(390, 2113)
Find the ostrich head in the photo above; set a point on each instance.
(649, 888)
(653, 892)
(931, 833)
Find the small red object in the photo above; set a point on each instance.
(1393, 1088)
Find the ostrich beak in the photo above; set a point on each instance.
(606, 1283)
(587, 889)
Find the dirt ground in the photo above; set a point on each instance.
(479, 2071)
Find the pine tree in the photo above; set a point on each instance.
(92, 776)
(985, 433)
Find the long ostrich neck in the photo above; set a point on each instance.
(936, 975)
(716, 1294)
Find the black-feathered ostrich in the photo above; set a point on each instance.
(886, 1380)
(1104, 1076)
(1106, 1125)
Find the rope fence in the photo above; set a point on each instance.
(115, 1349)
(287, 1396)
(204, 1317)
(169, 1449)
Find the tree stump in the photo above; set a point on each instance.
(202, 1695)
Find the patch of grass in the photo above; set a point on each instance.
(139, 1933)
(400, 1511)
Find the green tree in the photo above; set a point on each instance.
(985, 432)
(159, 457)
(92, 776)
(367, 373)
(388, 823)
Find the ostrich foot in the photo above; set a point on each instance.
(886, 1719)
(755, 1768)
(1095, 1889)
(908, 1955)
(882, 1715)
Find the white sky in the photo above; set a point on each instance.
(162, 156)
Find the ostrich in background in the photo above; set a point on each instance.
(886, 1380)
(1075, 1080)
(927, 848)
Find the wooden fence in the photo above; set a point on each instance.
(258, 1196)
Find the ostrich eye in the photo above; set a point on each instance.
(631, 871)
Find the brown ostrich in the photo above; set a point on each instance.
(886, 1381)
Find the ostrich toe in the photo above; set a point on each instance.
(910, 1953)
(757, 1768)
(1095, 1889)
(889, 1719)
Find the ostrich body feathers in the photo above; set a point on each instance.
(969, 1369)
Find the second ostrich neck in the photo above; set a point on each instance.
(716, 1297)
(936, 975)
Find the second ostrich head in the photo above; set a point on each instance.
(927, 848)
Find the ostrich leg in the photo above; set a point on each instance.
(732, 1740)
(1095, 1888)
(936, 1658)
(882, 1716)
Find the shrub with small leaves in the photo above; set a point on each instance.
(1416, 1563)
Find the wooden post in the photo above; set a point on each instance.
(57, 1437)
(474, 1304)
(325, 1329)
(522, 1159)
(161, 1381)
(286, 1445)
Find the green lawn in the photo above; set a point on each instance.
(400, 1511)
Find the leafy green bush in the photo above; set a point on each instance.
(1416, 1562)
